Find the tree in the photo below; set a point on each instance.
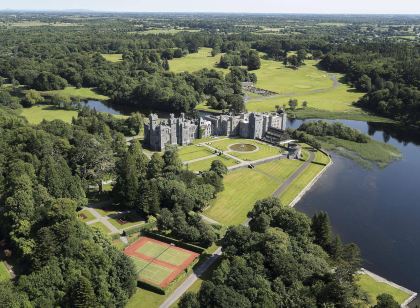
(165, 64)
(83, 294)
(189, 300)
(321, 230)
(32, 97)
(293, 103)
(304, 104)
(218, 167)
(386, 301)
(155, 166)
(253, 62)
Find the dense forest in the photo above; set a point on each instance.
(282, 260)
(370, 55)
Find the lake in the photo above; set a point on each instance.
(377, 209)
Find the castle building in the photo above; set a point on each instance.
(183, 131)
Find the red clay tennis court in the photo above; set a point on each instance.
(158, 263)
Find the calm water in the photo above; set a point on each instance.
(377, 209)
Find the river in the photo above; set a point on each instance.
(378, 209)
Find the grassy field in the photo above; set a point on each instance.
(205, 164)
(82, 93)
(320, 161)
(320, 89)
(101, 227)
(85, 216)
(241, 192)
(4, 273)
(195, 62)
(193, 152)
(264, 150)
(366, 154)
(353, 114)
(36, 114)
(374, 288)
(112, 57)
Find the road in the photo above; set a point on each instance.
(206, 265)
(191, 279)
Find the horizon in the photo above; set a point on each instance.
(321, 7)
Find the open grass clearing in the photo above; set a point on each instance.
(166, 31)
(205, 164)
(192, 152)
(196, 61)
(85, 216)
(4, 273)
(112, 57)
(244, 187)
(81, 93)
(353, 114)
(36, 114)
(374, 288)
(300, 183)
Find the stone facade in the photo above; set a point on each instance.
(183, 131)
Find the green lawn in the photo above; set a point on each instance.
(244, 187)
(192, 152)
(166, 31)
(132, 219)
(4, 273)
(304, 179)
(374, 288)
(106, 211)
(101, 227)
(82, 93)
(195, 62)
(320, 89)
(36, 114)
(264, 150)
(205, 164)
(112, 57)
(85, 216)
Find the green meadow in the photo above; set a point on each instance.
(81, 93)
(195, 62)
(36, 114)
(112, 57)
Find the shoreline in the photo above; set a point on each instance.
(312, 182)
(378, 278)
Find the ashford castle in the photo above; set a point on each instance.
(183, 131)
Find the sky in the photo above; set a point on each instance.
(231, 6)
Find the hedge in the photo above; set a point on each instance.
(178, 243)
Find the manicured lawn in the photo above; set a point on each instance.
(205, 164)
(101, 227)
(195, 62)
(82, 93)
(244, 187)
(113, 57)
(4, 273)
(193, 152)
(304, 179)
(264, 150)
(320, 89)
(106, 211)
(36, 114)
(130, 220)
(374, 288)
(85, 216)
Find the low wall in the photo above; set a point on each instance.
(378, 278)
